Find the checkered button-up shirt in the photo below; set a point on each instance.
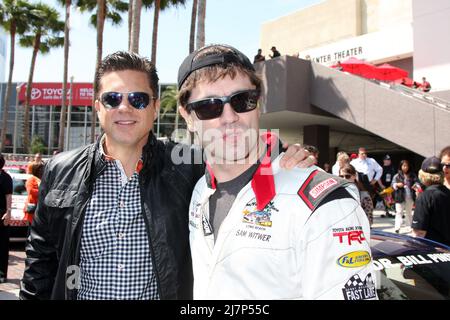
(115, 259)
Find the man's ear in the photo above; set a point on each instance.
(188, 118)
(97, 105)
(157, 107)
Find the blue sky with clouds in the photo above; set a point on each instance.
(235, 22)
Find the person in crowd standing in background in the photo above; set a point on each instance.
(32, 187)
(426, 86)
(259, 57)
(404, 184)
(431, 217)
(369, 169)
(275, 52)
(349, 173)
(6, 190)
(386, 180)
(445, 161)
(342, 159)
(37, 158)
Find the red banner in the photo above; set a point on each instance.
(50, 94)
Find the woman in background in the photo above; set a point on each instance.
(349, 173)
(404, 183)
(32, 186)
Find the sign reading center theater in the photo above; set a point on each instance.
(337, 55)
(50, 94)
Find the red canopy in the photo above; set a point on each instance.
(387, 72)
(359, 67)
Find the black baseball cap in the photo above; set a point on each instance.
(387, 157)
(431, 165)
(233, 56)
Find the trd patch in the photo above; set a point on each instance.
(316, 187)
(356, 289)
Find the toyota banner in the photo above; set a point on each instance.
(50, 94)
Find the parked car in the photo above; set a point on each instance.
(18, 224)
(410, 268)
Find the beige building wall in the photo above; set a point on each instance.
(331, 21)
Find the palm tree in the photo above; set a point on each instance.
(135, 25)
(45, 33)
(130, 21)
(105, 10)
(201, 23)
(193, 20)
(169, 103)
(161, 5)
(62, 119)
(14, 18)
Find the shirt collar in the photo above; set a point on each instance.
(108, 158)
(262, 183)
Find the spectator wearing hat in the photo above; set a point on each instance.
(275, 54)
(431, 217)
(386, 178)
(404, 183)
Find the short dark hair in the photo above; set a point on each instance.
(123, 60)
(2, 161)
(444, 152)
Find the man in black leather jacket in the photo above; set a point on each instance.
(70, 254)
(53, 249)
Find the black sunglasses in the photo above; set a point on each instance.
(138, 100)
(445, 165)
(210, 108)
(346, 176)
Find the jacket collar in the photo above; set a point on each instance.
(262, 183)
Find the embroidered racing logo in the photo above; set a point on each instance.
(356, 289)
(354, 259)
(194, 215)
(349, 235)
(259, 218)
(322, 187)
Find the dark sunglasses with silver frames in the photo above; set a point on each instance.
(138, 100)
(210, 108)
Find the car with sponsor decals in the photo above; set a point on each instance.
(408, 268)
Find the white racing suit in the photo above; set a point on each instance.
(290, 234)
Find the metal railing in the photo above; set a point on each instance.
(416, 94)
(423, 96)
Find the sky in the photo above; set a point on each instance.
(234, 22)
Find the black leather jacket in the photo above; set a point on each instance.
(53, 246)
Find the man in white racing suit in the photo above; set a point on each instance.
(258, 231)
